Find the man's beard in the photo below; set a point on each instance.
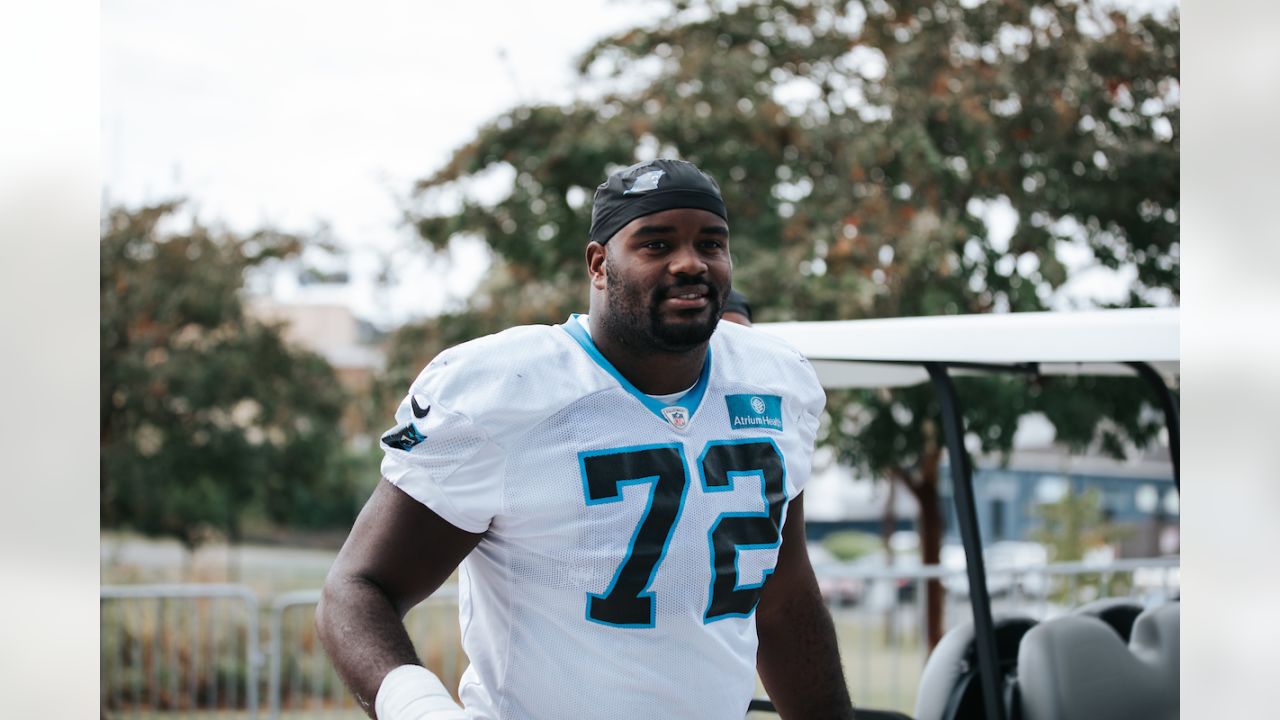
(635, 320)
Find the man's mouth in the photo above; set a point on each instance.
(692, 297)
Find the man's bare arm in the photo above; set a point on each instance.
(397, 554)
(798, 659)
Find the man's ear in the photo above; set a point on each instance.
(596, 254)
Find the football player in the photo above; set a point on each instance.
(621, 495)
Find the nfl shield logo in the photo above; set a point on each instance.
(677, 416)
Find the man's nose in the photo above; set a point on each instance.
(686, 260)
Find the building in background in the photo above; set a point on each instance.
(351, 345)
(1138, 497)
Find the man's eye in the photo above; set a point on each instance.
(656, 245)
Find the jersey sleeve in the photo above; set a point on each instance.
(441, 457)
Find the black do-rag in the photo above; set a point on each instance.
(649, 187)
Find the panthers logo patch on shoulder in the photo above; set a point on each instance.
(404, 438)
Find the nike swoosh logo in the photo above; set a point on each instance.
(418, 410)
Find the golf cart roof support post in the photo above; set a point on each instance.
(984, 636)
(1169, 404)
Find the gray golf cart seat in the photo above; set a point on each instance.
(1078, 666)
(1109, 660)
(949, 686)
(1119, 613)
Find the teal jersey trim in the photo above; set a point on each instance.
(689, 401)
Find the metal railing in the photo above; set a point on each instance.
(198, 651)
(303, 683)
(177, 648)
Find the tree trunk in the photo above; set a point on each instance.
(924, 486)
(930, 524)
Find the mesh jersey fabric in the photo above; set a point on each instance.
(520, 431)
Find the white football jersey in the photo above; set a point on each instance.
(626, 539)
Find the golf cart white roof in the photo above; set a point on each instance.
(887, 352)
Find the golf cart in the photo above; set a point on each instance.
(1111, 658)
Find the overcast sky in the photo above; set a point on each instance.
(293, 113)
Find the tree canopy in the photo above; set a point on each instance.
(859, 144)
(206, 414)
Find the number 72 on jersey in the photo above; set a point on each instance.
(627, 601)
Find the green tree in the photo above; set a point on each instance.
(862, 146)
(1072, 526)
(206, 414)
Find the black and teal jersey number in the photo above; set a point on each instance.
(627, 601)
(732, 532)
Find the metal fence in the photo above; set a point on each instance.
(303, 684)
(196, 651)
(177, 649)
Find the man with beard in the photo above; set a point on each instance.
(621, 495)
